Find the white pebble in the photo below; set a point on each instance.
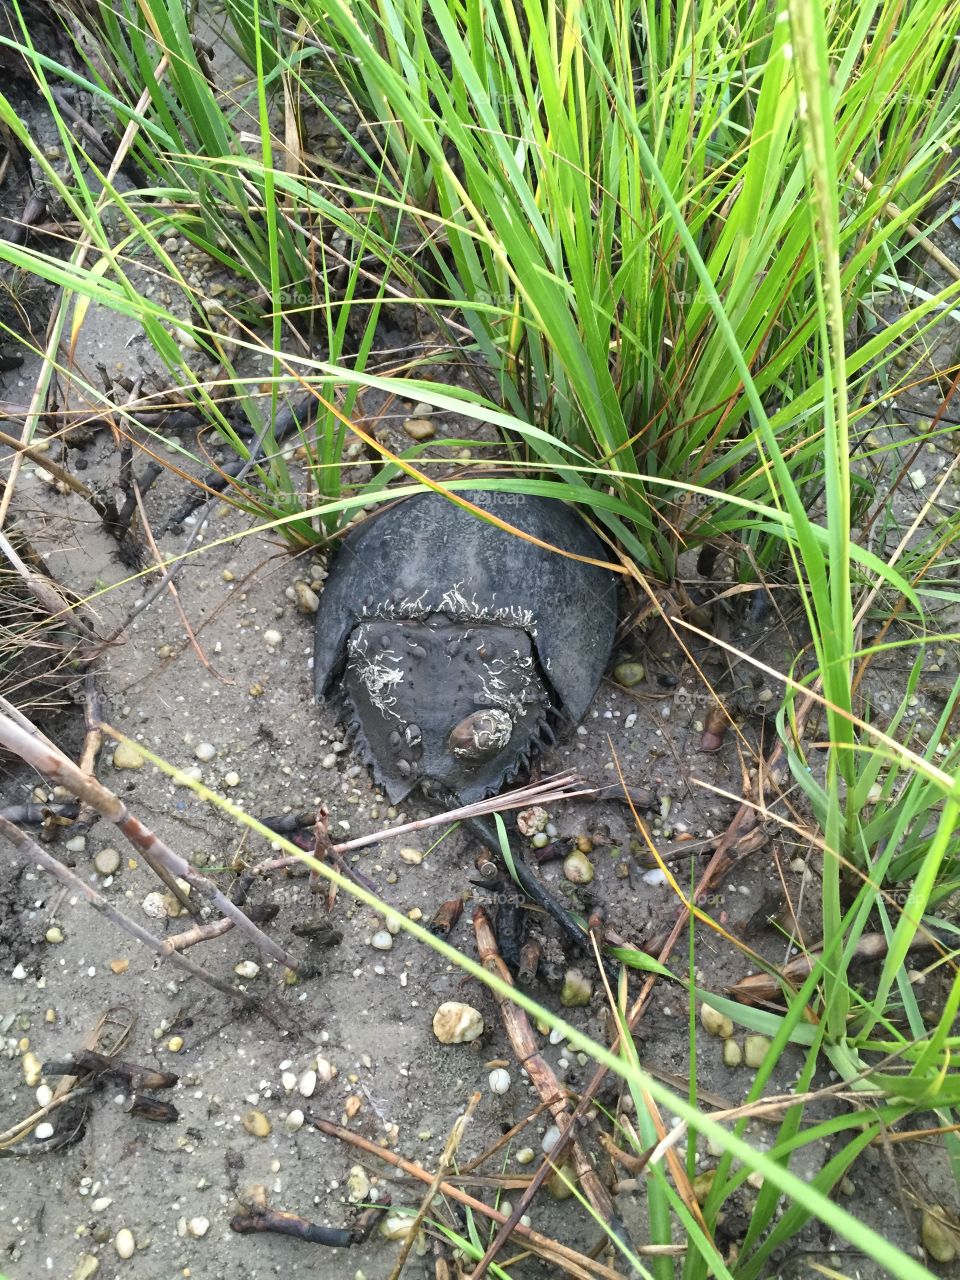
(124, 1243)
(231, 779)
(325, 1070)
(294, 1121)
(328, 761)
(19, 973)
(499, 1080)
(382, 940)
(198, 1227)
(205, 751)
(272, 638)
(246, 969)
(550, 1139)
(76, 844)
(655, 876)
(154, 906)
(457, 1023)
(43, 1131)
(307, 1083)
(289, 1081)
(44, 1095)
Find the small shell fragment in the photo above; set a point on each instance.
(358, 1185)
(499, 1080)
(530, 821)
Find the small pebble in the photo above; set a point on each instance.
(124, 1243)
(732, 1053)
(231, 779)
(382, 940)
(246, 969)
(576, 990)
(289, 1081)
(126, 756)
(106, 862)
(578, 868)
(525, 1155)
(86, 1268)
(628, 674)
(256, 1122)
(76, 844)
(457, 1023)
(419, 428)
(540, 840)
(328, 761)
(938, 1240)
(714, 1022)
(54, 934)
(175, 1044)
(198, 1227)
(307, 599)
(154, 905)
(396, 1226)
(562, 1183)
(358, 1185)
(205, 751)
(755, 1050)
(32, 1069)
(272, 639)
(499, 1080)
(43, 1131)
(294, 1121)
(530, 821)
(411, 856)
(307, 1083)
(550, 1139)
(44, 1095)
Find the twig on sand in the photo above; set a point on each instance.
(23, 739)
(257, 1216)
(35, 853)
(569, 1260)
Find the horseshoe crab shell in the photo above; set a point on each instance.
(456, 642)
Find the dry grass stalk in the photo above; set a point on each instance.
(527, 1051)
(446, 1159)
(574, 1264)
(35, 853)
(21, 738)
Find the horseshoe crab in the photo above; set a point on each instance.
(457, 645)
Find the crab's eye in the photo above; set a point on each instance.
(481, 736)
